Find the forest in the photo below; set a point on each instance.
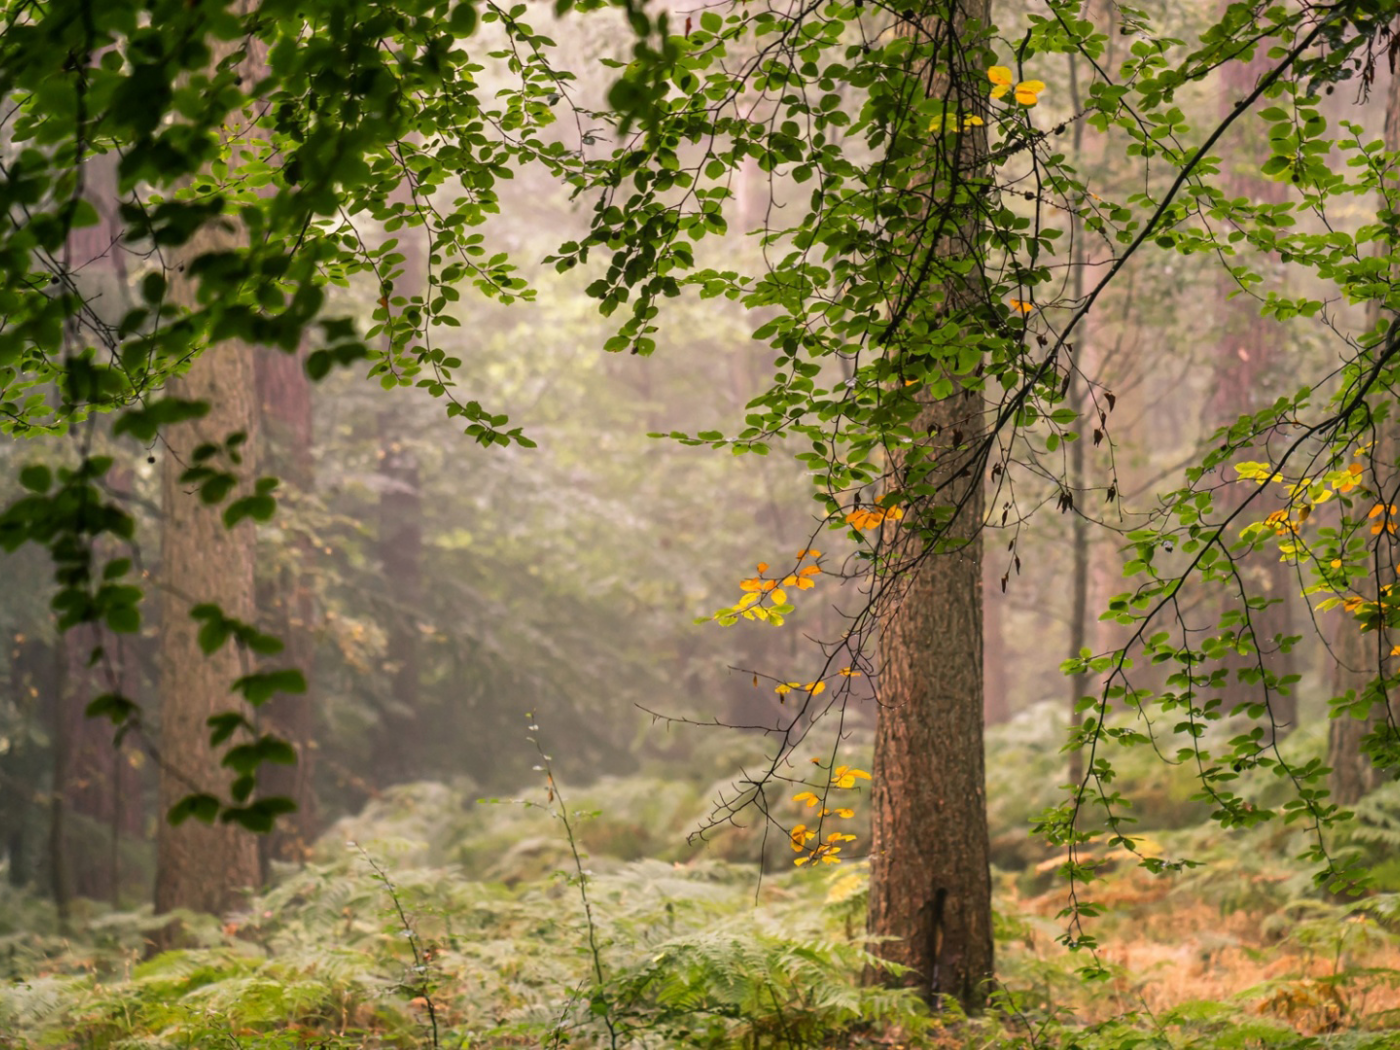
(754, 524)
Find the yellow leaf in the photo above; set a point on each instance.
(809, 553)
(779, 597)
(768, 585)
(1000, 76)
(1028, 92)
(1021, 305)
(849, 672)
(748, 600)
(789, 581)
(807, 797)
(847, 813)
(763, 566)
(801, 861)
(815, 687)
(751, 584)
(809, 570)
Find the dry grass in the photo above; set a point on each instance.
(1322, 972)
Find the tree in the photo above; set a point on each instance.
(904, 368)
(287, 596)
(1363, 663)
(930, 878)
(198, 866)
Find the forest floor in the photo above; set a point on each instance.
(696, 950)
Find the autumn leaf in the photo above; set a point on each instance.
(1027, 92)
(846, 776)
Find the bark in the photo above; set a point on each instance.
(1353, 774)
(930, 881)
(200, 867)
(288, 603)
(99, 785)
(1361, 658)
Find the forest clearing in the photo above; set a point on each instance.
(764, 524)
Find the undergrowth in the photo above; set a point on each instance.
(433, 921)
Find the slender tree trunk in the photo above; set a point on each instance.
(60, 875)
(400, 547)
(996, 703)
(288, 603)
(1361, 657)
(930, 880)
(1077, 481)
(1246, 362)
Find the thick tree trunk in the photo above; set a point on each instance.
(930, 881)
(200, 867)
(287, 600)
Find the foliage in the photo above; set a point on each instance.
(693, 957)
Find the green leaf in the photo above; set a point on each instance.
(36, 477)
(203, 808)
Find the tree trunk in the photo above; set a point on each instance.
(996, 703)
(288, 602)
(400, 547)
(930, 880)
(60, 877)
(1245, 371)
(1360, 658)
(200, 867)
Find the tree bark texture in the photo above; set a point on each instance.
(288, 602)
(200, 867)
(930, 881)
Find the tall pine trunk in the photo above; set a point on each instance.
(204, 867)
(198, 866)
(930, 880)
